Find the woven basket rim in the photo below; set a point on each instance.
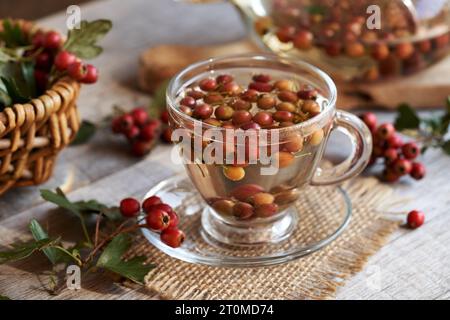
(64, 80)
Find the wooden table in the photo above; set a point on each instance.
(412, 265)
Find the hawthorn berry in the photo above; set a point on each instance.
(162, 206)
(166, 135)
(402, 166)
(157, 219)
(390, 176)
(415, 219)
(370, 119)
(148, 132)
(410, 150)
(132, 132)
(140, 116)
(38, 39)
(150, 202)
(385, 131)
(394, 141)
(418, 171)
(52, 40)
(164, 117)
(90, 74)
(174, 220)
(43, 61)
(173, 237)
(208, 84)
(76, 70)
(140, 148)
(63, 60)
(390, 155)
(129, 207)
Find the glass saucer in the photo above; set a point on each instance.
(321, 216)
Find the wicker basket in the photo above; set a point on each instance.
(32, 135)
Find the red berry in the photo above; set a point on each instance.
(52, 40)
(91, 74)
(157, 219)
(410, 150)
(391, 155)
(370, 119)
(148, 132)
(140, 116)
(164, 117)
(129, 207)
(188, 102)
(415, 219)
(307, 93)
(261, 86)
(41, 78)
(249, 95)
(76, 71)
(390, 176)
(195, 94)
(162, 206)
(224, 79)
(126, 122)
(140, 148)
(394, 141)
(38, 39)
(173, 237)
(418, 171)
(63, 60)
(303, 40)
(166, 135)
(285, 34)
(116, 125)
(132, 132)
(150, 202)
(173, 220)
(261, 78)
(385, 131)
(208, 84)
(402, 166)
(203, 111)
(43, 61)
(250, 126)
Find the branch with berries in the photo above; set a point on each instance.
(30, 63)
(400, 158)
(105, 249)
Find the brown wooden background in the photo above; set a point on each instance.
(32, 9)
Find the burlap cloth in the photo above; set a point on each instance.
(316, 276)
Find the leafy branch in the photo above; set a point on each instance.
(102, 251)
(430, 132)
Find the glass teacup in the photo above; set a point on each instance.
(250, 175)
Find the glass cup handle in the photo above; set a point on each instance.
(361, 140)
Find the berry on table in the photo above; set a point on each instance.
(150, 202)
(385, 131)
(140, 116)
(402, 166)
(140, 148)
(166, 135)
(129, 207)
(132, 132)
(370, 119)
(415, 219)
(410, 150)
(174, 220)
(418, 171)
(390, 155)
(157, 219)
(173, 237)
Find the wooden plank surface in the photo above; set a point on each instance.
(412, 265)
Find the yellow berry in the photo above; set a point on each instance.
(234, 173)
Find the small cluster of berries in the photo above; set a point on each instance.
(141, 130)
(48, 46)
(398, 156)
(159, 217)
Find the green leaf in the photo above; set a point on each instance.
(86, 132)
(407, 118)
(27, 69)
(39, 234)
(111, 259)
(61, 201)
(158, 103)
(446, 147)
(317, 9)
(13, 91)
(23, 251)
(12, 35)
(83, 41)
(4, 298)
